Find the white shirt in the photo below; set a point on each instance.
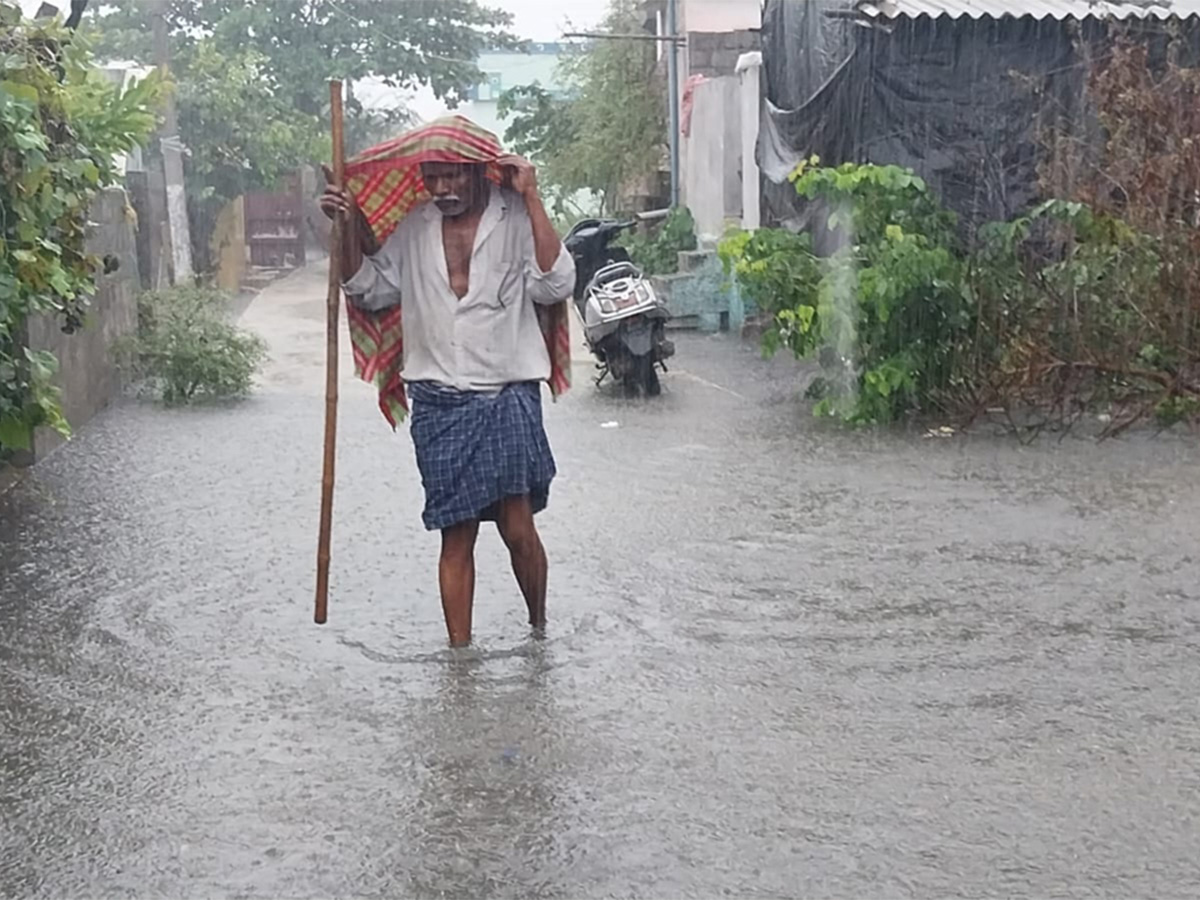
(489, 338)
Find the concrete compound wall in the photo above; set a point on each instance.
(715, 55)
(712, 152)
(88, 374)
(228, 245)
(749, 69)
(699, 296)
(719, 15)
(148, 196)
(720, 177)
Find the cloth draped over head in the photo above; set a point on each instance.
(386, 182)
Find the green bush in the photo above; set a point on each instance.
(1067, 293)
(61, 125)
(186, 349)
(884, 311)
(776, 270)
(658, 252)
(1060, 310)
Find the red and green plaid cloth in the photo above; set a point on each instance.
(386, 182)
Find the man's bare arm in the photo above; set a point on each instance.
(523, 179)
(357, 237)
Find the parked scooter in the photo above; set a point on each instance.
(624, 320)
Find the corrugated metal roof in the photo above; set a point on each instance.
(1036, 9)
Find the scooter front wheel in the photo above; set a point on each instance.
(642, 374)
(650, 382)
(631, 380)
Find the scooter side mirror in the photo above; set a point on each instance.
(583, 225)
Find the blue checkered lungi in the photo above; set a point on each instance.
(476, 448)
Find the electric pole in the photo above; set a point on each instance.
(673, 96)
(180, 240)
(673, 40)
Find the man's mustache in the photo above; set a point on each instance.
(448, 198)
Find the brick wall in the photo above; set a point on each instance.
(717, 54)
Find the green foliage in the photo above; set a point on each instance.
(541, 128)
(30, 377)
(1068, 278)
(417, 42)
(1118, 321)
(776, 270)
(658, 252)
(186, 349)
(240, 133)
(883, 310)
(1079, 308)
(870, 200)
(889, 304)
(252, 77)
(610, 133)
(1173, 409)
(61, 126)
(1054, 310)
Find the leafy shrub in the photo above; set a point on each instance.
(776, 270)
(186, 349)
(658, 252)
(1063, 294)
(61, 125)
(1141, 181)
(1060, 310)
(884, 311)
(32, 379)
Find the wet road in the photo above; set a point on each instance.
(783, 660)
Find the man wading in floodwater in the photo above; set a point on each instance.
(468, 266)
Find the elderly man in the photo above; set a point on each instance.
(468, 268)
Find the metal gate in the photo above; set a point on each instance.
(275, 227)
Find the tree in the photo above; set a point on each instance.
(610, 132)
(240, 132)
(307, 42)
(252, 77)
(542, 127)
(543, 130)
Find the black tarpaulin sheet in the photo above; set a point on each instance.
(965, 103)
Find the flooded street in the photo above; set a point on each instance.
(783, 659)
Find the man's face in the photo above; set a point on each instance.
(455, 187)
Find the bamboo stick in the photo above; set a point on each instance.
(333, 301)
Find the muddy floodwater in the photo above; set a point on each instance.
(783, 660)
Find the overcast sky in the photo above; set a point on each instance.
(537, 20)
(545, 20)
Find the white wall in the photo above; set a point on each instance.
(712, 152)
(719, 15)
(750, 101)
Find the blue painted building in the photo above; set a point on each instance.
(504, 70)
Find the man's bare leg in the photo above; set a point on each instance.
(528, 555)
(456, 574)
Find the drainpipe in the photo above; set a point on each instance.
(673, 92)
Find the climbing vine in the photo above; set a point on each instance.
(62, 126)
